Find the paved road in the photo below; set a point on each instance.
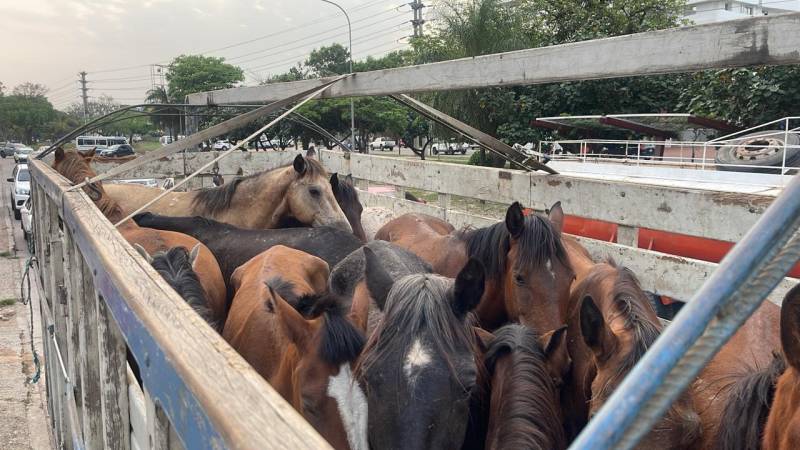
(24, 423)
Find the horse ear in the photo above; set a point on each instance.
(144, 253)
(349, 179)
(299, 164)
(593, 325)
(88, 156)
(554, 344)
(297, 328)
(515, 220)
(468, 288)
(334, 181)
(59, 154)
(193, 255)
(556, 216)
(790, 327)
(311, 153)
(485, 338)
(379, 282)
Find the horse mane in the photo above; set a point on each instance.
(417, 303)
(215, 200)
(76, 169)
(538, 243)
(744, 416)
(340, 340)
(176, 269)
(531, 419)
(632, 305)
(346, 192)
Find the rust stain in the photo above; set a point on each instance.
(553, 183)
(397, 173)
(756, 204)
(568, 184)
(664, 207)
(504, 175)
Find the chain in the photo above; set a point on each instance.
(25, 296)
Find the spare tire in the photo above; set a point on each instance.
(763, 149)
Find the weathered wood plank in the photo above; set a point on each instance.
(113, 380)
(138, 412)
(157, 425)
(89, 359)
(212, 397)
(770, 39)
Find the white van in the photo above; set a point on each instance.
(99, 142)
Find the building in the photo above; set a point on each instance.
(709, 11)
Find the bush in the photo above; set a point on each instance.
(490, 160)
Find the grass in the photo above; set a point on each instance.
(146, 146)
(6, 254)
(8, 301)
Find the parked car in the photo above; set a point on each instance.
(20, 188)
(149, 182)
(382, 143)
(21, 153)
(116, 151)
(449, 148)
(10, 148)
(27, 218)
(222, 145)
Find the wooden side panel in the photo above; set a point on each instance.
(113, 380)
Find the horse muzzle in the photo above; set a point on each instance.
(340, 224)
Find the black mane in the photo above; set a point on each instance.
(345, 192)
(214, 200)
(340, 341)
(530, 417)
(538, 243)
(175, 268)
(745, 415)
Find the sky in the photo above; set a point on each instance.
(117, 41)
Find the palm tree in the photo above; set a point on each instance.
(165, 117)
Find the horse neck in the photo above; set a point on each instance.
(260, 201)
(784, 412)
(519, 411)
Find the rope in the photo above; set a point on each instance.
(25, 296)
(731, 316)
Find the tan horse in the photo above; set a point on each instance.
(308, 361)
(300, 192)
(76, 167)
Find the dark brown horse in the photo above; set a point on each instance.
(347, 197)
(307, 360)
(301, 191)
(528, 271)
(526, 376)
(611, 325)
(76, 168)
(422, 365)
(783, 425)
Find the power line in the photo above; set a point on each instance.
(364, 51)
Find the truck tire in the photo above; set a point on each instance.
(769, 158)
(2, 154)
(433, 150)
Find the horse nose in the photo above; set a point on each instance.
(342, 225)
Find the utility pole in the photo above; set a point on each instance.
(85, 96)
(417, 21)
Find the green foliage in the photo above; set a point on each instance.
(25, 117)
(483, 158)
(745, 97)
(196, 73)
(326, 61)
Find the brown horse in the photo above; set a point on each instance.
(723, 382)
(611, 325)
(347, 197)
(783, 425)
(526, 376)
(528, 272)
(301, 191)
(308, 361)
(76, 168)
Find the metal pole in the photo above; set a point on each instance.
(352, 107)
(785, 146)
(84, 96)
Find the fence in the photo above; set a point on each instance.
(101, 302)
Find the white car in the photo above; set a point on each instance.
(382, 143)
(20, 188)
(222, 145)
(27, 218)
(21, 153)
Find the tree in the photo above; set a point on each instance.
(25, 117)
(165, 117)
(197, 73)
(30, 90)
(2, 89)
(326, 61)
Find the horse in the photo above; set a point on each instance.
(234, 246)
(347, 197)
(176, 266)
(301, 191)
(611, 325)
(721, 381)
(309, 361)
(782, 431)
(347, 278)
(528, 271)
(526, 373)
(76, 168)
(422, 365)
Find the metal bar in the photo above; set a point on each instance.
(713, 123)
(227, 152)
(637, 127)
(653, 385)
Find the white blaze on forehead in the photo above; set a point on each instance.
(416, 358)
(352, 405)
(549, 266)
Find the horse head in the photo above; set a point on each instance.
(347, 197)
(310, 199)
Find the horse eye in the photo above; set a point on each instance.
(314, 192)
(308, 406)
(519, 279)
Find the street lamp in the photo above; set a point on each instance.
(352, 108)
